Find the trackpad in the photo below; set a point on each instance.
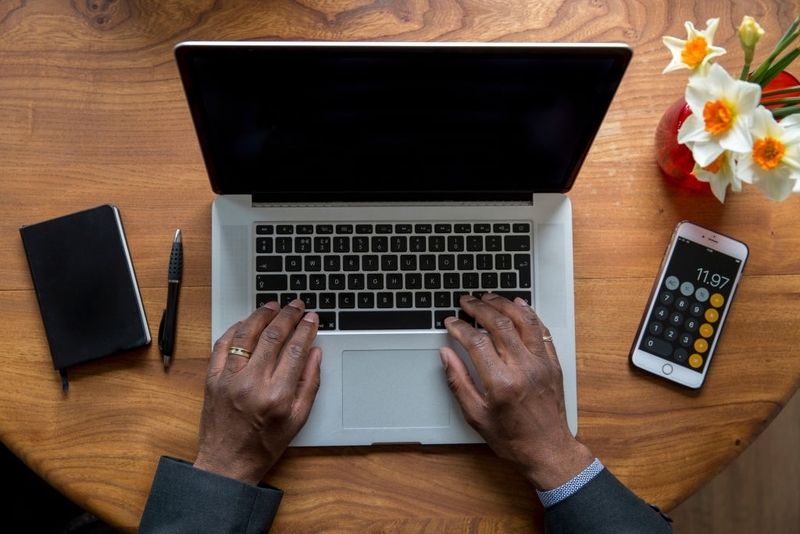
(394, 389)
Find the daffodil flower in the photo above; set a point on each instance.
(722, 110)
(720, 174)
(696, 51)
(773, 163)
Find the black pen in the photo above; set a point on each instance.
(166, 330)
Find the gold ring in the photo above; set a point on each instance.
(547, 339)
(238, 351)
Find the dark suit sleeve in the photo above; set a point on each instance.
(186, 499)
(604, 506)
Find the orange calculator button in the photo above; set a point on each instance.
(706, 330)
(711, 315)
(717, 300)
(701, 345)
(695, 360)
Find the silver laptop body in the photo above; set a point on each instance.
(303, 139)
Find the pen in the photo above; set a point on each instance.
(166, 330)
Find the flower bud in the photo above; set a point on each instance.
(750, 32)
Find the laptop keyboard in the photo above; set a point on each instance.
(391, 276)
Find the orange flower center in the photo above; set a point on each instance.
(718, 117)
(768, 152)
(695, 51)
(715, 165)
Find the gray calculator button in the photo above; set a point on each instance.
(672, 282)
(701, 294)
(687, 288)
(657, 346)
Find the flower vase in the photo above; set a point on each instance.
(676, 161)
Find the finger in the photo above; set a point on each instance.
(219, 354)
(549, 345)
(274, 336)
(295, 353)
(462, 386)
(478, 345)
(492, 312)
(308, 385)
(529, 328)
(246, 334)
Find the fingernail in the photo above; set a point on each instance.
(311, 317)
(521, 302)
(467, 297)
(274, 306)
(489, 296)
(443, 358)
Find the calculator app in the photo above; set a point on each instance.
(686, 315)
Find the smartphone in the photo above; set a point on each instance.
(688, 305)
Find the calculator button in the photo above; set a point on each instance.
(706, 330)
(676, 318)
(658, 346)
(701, 294)
(685, 339)
(655, 328)
(682, 304)
(687, 288)
(701, 345)
(671, 334)
(666, 297)
(717, 300)
(672, 283)
(680, 355)
(696, 309)
(661, 313)
(692, 324)
(695, 360)
(712, 315)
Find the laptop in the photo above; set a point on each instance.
(380, 181)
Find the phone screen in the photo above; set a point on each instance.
(689, 305)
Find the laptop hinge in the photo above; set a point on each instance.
(394, 197)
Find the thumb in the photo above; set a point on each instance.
(462, 385)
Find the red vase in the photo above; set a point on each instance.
(676, 161)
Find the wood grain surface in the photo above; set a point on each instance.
(92, 111)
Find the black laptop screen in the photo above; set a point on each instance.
(400, 121)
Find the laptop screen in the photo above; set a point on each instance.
(400, 121)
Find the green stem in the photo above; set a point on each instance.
(788, 37)
(776, 92)
(779, 66)
(785, 112)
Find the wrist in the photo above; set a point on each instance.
(242, 471)
(555, 468)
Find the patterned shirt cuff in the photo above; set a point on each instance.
(553, 496)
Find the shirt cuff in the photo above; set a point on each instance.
(553, 496)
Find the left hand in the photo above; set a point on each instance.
(255, 406)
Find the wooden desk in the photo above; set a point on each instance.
(92, 111)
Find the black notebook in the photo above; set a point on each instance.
(86, 286)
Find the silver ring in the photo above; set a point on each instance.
(238, 351)
(547, 339)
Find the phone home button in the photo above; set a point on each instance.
(667, 369)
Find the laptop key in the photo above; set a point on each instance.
(385, 320)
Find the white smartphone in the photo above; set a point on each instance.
(688, 305)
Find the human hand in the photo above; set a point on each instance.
(254, 406)
(521, 412)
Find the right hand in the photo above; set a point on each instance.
(521, 412)
(254, 406)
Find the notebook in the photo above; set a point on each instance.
(86, 286)
(378, 182)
